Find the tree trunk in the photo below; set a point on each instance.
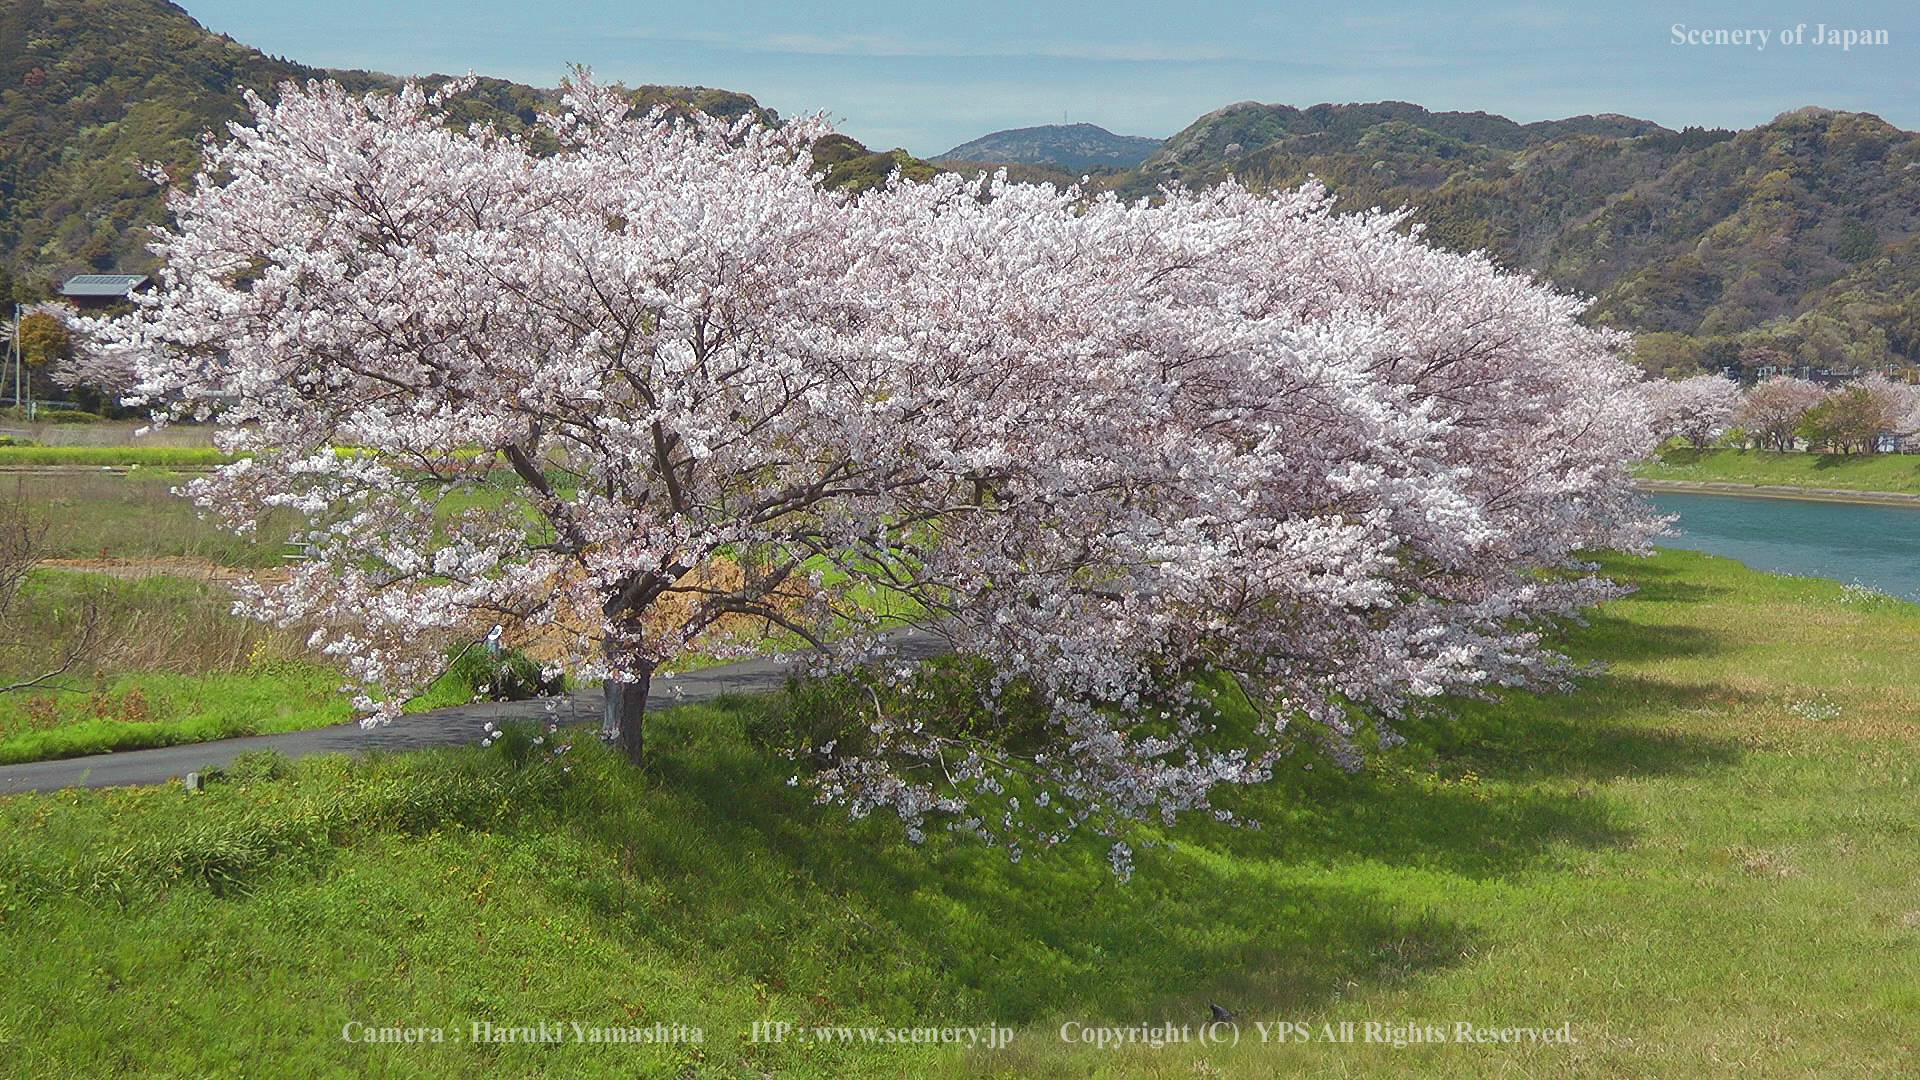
(626, 714)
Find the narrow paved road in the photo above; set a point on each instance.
(457, 726)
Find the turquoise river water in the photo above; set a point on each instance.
(1877, 546)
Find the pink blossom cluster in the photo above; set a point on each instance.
(1697, 409)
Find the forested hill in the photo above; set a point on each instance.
(89, 89)
(1070, 146)
(1795, 241)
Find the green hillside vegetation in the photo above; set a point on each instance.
(92, 89)
(1064, 146)
(847, 165)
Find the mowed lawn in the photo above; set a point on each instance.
(1702, 864)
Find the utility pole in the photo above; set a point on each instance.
(16, 354)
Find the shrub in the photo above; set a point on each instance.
(510, 675)
(956, 697)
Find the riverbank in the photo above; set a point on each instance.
(1777, 491)
(1877, 478)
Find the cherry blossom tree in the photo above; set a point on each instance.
(1855, 416)
(89, 363)
(1305, 450)
(1894, 407)
(1696, 409)
(1773, 408)
(622, 396)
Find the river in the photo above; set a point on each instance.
(1877, 546)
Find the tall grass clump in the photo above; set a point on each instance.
(161, 661)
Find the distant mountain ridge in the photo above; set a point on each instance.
(1797, 239)
(1070, 146)
(1247, 126)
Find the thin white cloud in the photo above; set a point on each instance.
(882, 45)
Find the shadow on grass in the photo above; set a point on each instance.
(1482, 790)
(1284, 917)
(1659, 579)
(793, 897)
(1613, 639)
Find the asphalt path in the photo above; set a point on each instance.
(457, 726)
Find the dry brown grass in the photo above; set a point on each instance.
(576, 628)
(153, 624)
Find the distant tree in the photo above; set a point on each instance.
(1697, 409)
(1853, 418)
(1857, 242)
(43, 339)
(1772, 410)
(1761, 362)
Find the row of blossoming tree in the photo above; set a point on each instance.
(1134, 455)
(1785, 413)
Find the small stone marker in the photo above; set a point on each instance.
(193, 781)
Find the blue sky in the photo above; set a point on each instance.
(927, 77)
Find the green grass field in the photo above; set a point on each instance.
(1898, 473)
(107, 456)
(1701, 865)
(135, 515)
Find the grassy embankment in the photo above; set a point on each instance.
(1898, 473)
(1701, 863)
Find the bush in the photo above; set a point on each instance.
(828, 718)
(510, 675)
(254, 766)
(66, 416)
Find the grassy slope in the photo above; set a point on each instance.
(1851, 472)
(1702, 862)
(139, 711)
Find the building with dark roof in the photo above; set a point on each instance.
(102, 290)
